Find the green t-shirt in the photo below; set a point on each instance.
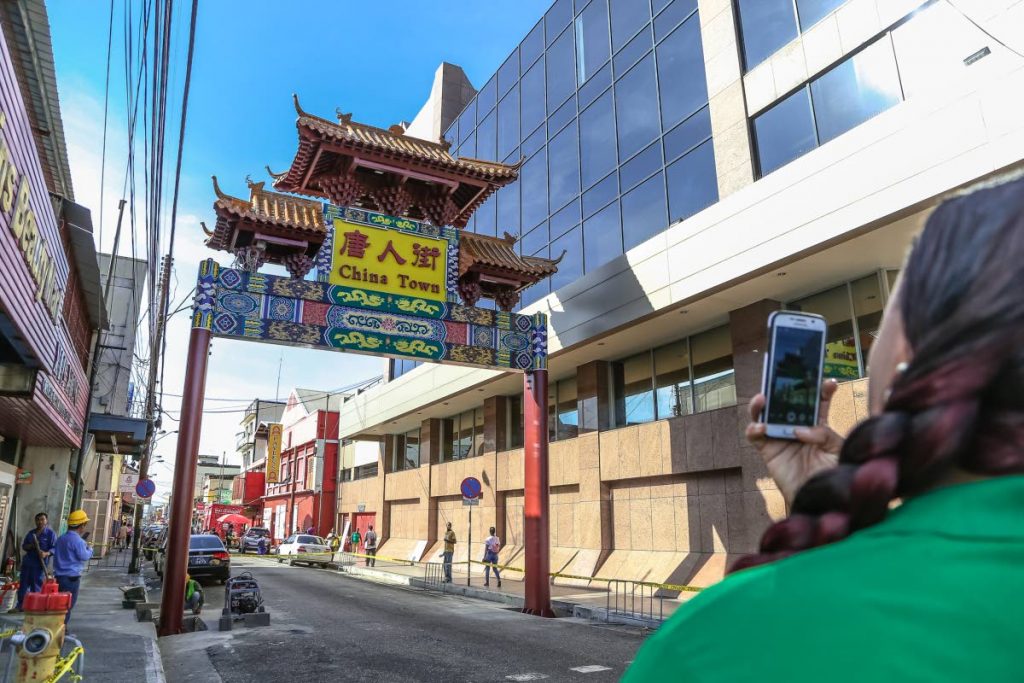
(933, 593)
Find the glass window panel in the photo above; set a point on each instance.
(813, 11)
(532, 46)
(536, 292)
(557, 18)
(765, 25)
(636, 108)
(531, 89)
(627, 18)
(561, 66)
(637, 397)
(861, 87)
(478, 431)
(670, 18)
(592, 47)
(515, 421)
(452, 134)
(508, 74)
(486, 223)
(597, 130)
(602, 237)
(565, 219)
(643, 212)
(552, 408)
(571, 266)
(714, 383)
(565, 114)
(891, 277)
(640, 167)
(487, 137)
(412, 449)
(867, 307)
(467, 120)
(568, 416)
(465, 440)
(597, 84)
(672, 379)
(564, 156)
(534, 142)
(487, 98)
(508, 208)
(448, 438)
(692, 183)
(533, 179)
(508, 123)
(688, 134)
(659, 5)
(535, 240)
(684, 87)
(631, 54)
(784, 132)
(467, 148)
(840, 345)
(598, 196)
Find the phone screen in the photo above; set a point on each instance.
(795, 376)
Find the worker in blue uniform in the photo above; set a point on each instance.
(38, 547)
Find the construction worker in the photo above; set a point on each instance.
(70, 555)
(193, 595)
(38, 546)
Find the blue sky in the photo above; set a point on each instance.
(374, 59)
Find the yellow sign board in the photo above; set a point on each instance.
(391, 261)
(275, 431)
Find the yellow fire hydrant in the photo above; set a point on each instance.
(42, 634)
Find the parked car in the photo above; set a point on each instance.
(153, 542)
(207, 557)
(304, 548)
(250, 542)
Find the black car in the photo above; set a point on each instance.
(207, 556)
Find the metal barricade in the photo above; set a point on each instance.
(433, 576)
(634, 599)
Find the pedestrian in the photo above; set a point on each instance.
(122, 534)
(70, 555)
(370, 543)
(335, 542)
(193, 595)
(261, 545)
(492, 544)
(449, 551)
(38, 546)
(129, 531)
(865, 580)
(354, 541)
(310, 530)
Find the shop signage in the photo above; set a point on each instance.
(15, 193)
(275, 431)
(841, 360)
(23, 476)
(128, 482)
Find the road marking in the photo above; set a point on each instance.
(526, 677)
(590, 668)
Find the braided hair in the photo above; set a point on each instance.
(959, 403)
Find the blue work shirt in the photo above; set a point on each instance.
(70, 555)
(47, 539)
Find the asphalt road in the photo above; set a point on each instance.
(327, 626)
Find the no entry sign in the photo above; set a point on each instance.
(471, 489)
(145, 488)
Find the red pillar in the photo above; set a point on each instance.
(172, 601)
(535, 503)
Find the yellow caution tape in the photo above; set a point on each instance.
(8, 633)
(64, 665)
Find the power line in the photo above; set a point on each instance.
(106, 104)
(983, 29)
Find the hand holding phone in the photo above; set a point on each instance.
(793, 370)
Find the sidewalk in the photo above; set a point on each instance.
(118, 649)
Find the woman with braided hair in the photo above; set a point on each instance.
(903, 555)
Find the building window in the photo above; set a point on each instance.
(592, 47)
(767, 25)
(597, 129)
(561, 69)
(462, 435)
(406, 453)
(854, 312)
(636, 108)
(364, 471)
(851, 93)
(714, 381)
(400, 366)
(628, 17)
(692, 185)
(643, 212)
(567, 423)
(684, 87)
(674, 391)
(633, 387)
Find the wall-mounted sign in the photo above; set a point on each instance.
(127, 483)
(23, 477)
(274, 433)
(361, 507)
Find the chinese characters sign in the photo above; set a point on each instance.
(274, 433)
(389, 261)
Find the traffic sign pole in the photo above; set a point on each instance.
(469, 548)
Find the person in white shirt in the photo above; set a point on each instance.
(492, 544)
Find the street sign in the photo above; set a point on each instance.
(471, 487)
(128, 482)
(145, 488)
(470, 501)
(275, 432)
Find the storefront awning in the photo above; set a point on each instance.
(124, 435)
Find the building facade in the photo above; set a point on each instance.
(251, 439)
(700, 163)
(304, 495)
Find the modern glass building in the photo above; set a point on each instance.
(700, 163)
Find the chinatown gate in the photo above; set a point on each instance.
(394, 277)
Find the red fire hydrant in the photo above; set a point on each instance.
(42, 633)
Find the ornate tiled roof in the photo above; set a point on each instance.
(481, 252)
(280, 213)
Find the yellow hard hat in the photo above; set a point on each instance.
(78, 518)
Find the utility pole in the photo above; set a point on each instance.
(152, 417)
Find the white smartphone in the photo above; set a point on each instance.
(793, 368)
